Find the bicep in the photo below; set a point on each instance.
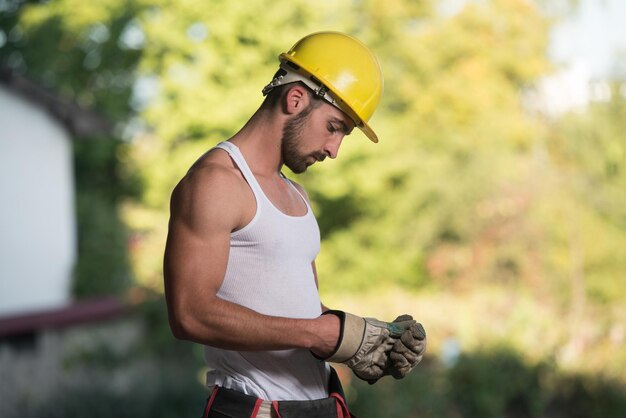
(198, 244)
(193, 262)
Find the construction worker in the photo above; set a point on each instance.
(239, 265)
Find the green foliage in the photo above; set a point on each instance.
(580, 396)
(591, 149)
(588, 153)
(495, 382)
(421, 394)
(74, 50)
(102, 266)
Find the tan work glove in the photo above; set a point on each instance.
(407, 351)
(364, 343)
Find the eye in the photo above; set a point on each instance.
(331, 128)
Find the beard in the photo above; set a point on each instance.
(292, 134)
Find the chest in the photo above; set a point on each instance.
(283, 195)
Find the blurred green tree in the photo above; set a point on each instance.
(589, 152)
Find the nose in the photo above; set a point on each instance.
(332, 146)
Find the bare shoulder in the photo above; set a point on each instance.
(212, 193)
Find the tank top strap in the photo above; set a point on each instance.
(293, 186)
(237, 157)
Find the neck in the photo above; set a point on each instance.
(259, 140)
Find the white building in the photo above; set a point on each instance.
(37, 213)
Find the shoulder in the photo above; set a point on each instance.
(208, 177)
(213, 188)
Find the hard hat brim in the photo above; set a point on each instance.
(369, 132)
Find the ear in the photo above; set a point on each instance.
(295, 100)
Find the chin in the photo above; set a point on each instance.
(297, 167)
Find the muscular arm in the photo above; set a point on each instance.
(206, 206)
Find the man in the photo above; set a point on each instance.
(240, 256)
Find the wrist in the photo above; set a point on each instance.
(327, 335)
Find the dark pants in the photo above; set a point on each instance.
(227, 403)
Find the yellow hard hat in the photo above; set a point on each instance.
(339, 68)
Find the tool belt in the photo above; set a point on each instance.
(228, 403)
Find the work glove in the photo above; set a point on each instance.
(408, 350)
(364, 343)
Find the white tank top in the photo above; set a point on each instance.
(269, 271)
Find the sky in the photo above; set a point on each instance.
(585, 47)
(592, 36)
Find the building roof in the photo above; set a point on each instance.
(77, 120)
(86, 311)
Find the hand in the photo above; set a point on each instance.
(407, 351)
(364, 343)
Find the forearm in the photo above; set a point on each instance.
(224, 324)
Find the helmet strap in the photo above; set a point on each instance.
(287, 75)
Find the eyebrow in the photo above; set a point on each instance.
(344, 127)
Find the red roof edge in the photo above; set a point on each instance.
(80, 312)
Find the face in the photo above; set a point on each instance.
(312, 135)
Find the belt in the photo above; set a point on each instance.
(228, 403)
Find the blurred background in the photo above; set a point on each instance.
(493, 209)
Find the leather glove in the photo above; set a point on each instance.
(407, 351)
(364, 343)
(401, 359)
